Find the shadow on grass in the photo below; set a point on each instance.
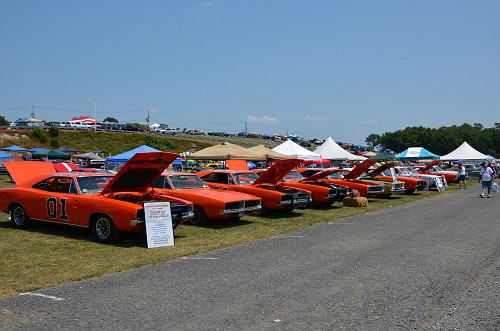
(224, 223)
(127, 240)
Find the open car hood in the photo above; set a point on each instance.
(22, 171)
(359, 169)
(139, 173)
(429, 166)
(379, 170)
(321, 174)
(277, 171)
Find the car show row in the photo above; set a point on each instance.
(112, 203)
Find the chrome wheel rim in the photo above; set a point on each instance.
(102, 228)
(18, 216)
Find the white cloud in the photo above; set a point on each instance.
(262, 119)
(317, 118)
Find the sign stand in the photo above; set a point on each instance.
(159, 230)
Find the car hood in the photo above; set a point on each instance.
(321, 174)
(210, 193)
(23, 171)
(379, 170)
(359, 169)
(429, 166)
(140, 172)
(277, 171)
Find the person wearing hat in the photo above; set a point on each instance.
(486, 175)
(461, 175)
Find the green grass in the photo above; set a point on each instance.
(50, 254)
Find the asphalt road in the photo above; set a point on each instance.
(429, 265)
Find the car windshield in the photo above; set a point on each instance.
(93, 184)
(336, 175)
(245, 177)
(186, 181)
(293, 176)
(437, 168)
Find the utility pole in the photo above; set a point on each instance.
(246, 129)
(33, 111)
(95, 114)
(147, 121)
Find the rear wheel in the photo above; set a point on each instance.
(18, 217)
(199, 217)
(104, 230)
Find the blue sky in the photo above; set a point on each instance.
(343, 69)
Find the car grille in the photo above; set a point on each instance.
(242, 204)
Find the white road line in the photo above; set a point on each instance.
(201, 258)
(51, 297)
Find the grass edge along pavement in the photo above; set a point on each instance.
(50, 254)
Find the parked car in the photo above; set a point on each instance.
(433, 169)
(386, 172)
(209, 203)
(350, 180)
(322, 193)
(105, 203)
(274, 195)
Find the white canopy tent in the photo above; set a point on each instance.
(295, 150)
(465, 152)
(332, 151)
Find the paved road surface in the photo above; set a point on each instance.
(429, 265)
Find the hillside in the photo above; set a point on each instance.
(116, 143)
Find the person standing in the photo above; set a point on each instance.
(486, 175)
(461, 175)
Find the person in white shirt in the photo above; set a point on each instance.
(486, 175)
(461, 175)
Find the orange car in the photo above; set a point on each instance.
(433, 169)
(384, 173)
(208, 202)
(322, 193)
(274, 195)
(107, 204)
(350, 179)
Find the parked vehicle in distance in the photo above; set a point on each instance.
(386, 172)
(322, 193)
(433, 169)
(209, 203)
(350, 180)
(107, 204)
(274, 195)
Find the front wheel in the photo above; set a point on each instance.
(104, 230)
(18, 217)
(199, 218)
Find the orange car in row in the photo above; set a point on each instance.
(274, 194)
(106, 204)
(208, 203)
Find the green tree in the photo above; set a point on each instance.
(3, 121)
(38, 134)
(111, 119)
(54, 131)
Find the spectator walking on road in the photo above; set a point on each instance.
(461, 175)
(486, 175)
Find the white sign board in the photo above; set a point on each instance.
(159, 230)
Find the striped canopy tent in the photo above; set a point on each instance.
(416, 153)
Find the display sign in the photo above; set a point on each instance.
(159, 230)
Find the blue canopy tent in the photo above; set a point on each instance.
(5, 157)
(14, 148)
(37, 150)
(67, 150)
(124, 157)
(416, 153)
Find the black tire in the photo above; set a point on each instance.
(18, 217)
(104, 230)
(199, 217)
(263, 211)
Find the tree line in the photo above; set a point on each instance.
(442, 140)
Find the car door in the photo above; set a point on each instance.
(56, 203)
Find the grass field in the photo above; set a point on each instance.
(51, 254)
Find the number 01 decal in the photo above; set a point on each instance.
(52, 208)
